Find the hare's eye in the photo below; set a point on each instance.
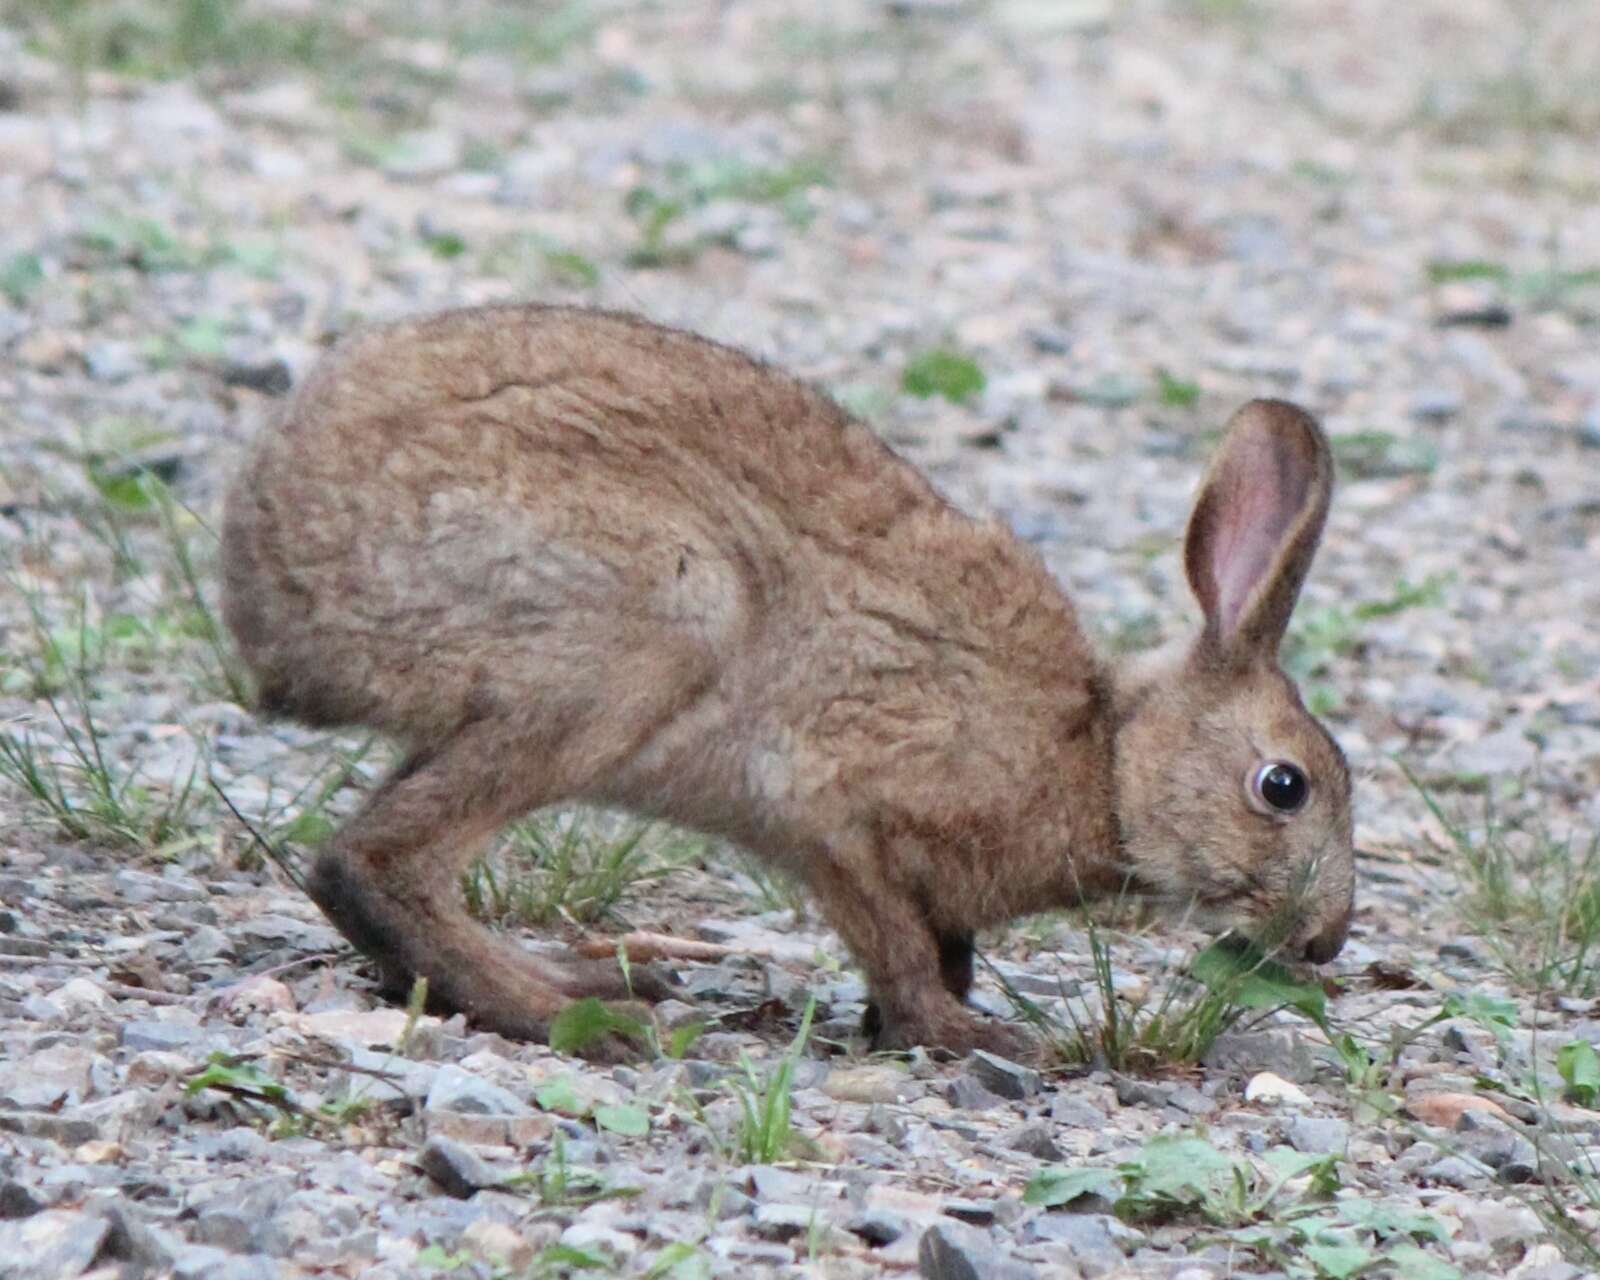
(1281, 786)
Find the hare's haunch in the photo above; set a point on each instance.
(564, 555)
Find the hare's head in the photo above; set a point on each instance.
(1231, 797)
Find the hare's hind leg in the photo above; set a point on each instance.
(390, 879)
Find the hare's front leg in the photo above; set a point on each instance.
(916, 975)
(390, 881)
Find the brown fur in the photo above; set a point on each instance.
(568, 555)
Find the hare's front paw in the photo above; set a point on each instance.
(957, 1032)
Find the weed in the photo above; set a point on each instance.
(765, 1133)
(1176, 393)
(657, 210)
(1533, 894)
(176, 38)
(570, 866)
(1281, 1208)
(1318, 636)
(1223, 984)
(557, 1182)
(1375, 454)
(446, 245)
(942, 372)
(20, 278)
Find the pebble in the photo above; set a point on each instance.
(949, 1251)
(1274, 1090)
(457, 1170)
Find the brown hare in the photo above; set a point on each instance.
(565, 555)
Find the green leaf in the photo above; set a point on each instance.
(631, 1122)
(560, 1096)
(1178, 1170)
(1244, 975)
(683, 1038)
(1579, 1066)
(203, 337)
(1176, 392)
(1337, 1257)
(1385, 1219)
(564, 1255)
(1057, 1185)
(679, 1261)
(435, 1258)
(943, 373)
(1411, 1263)
(20, 276)
(584, 1022)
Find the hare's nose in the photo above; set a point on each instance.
(1322, 947)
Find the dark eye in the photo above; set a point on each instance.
(1281, 786)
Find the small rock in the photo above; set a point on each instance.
(1458, 1171)
(52, 1245)
(871, 1085)
(1446, 1109)
(16, 1201)
(112, 361)
(980, 1213)
(140, 1036)
(1274, 1090)
(877, 1227)
(1033, 1139)
(1277, 1052)
(457, 1170)
(456, 1090)
(950, 1251)
(968, 1093)
(270, 377)
(1318, 1135)
(1077, 1114)
(783, 1222)
(1132, 1092)
(1434, 404)
(1003, 1077)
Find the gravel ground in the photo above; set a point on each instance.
(1126, 217)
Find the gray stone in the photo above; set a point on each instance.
(978, 1213)
(1097, 1242)
(205, 1262)
(456, 1090)
(968, 1093)
(877, 1227)
(1133, 1092)
(52, 1245)
(1317, 1134)
(457, 1170)
(1457, 1171)
(1077, 1114)
(1434, 404)
(1248, 1053)
(16, 1201)
(784, 1222)
(113, 361)
(1003, 1077)
(951, 1251)
(226, 1228)
(206, 942)
(1034, 1139)
(140, 1036)
(270, 377)
(237, 1143)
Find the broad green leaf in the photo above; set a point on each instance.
(631, 1122)
(564, 1255)
(584, 1022)
(679, 1261)
(245, 1077)
(1338, 1258)
(1579, 1066)
(1495, 1013)
(1057, 1185)
(1177, 1170)
(943, 373)
(1387, 1219)
(683, 1038)
(559, 1095)
(1246, 977)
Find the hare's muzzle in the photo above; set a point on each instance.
(1322, 947)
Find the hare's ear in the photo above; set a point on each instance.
(1256, 525)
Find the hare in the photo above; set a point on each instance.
(569, 555)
